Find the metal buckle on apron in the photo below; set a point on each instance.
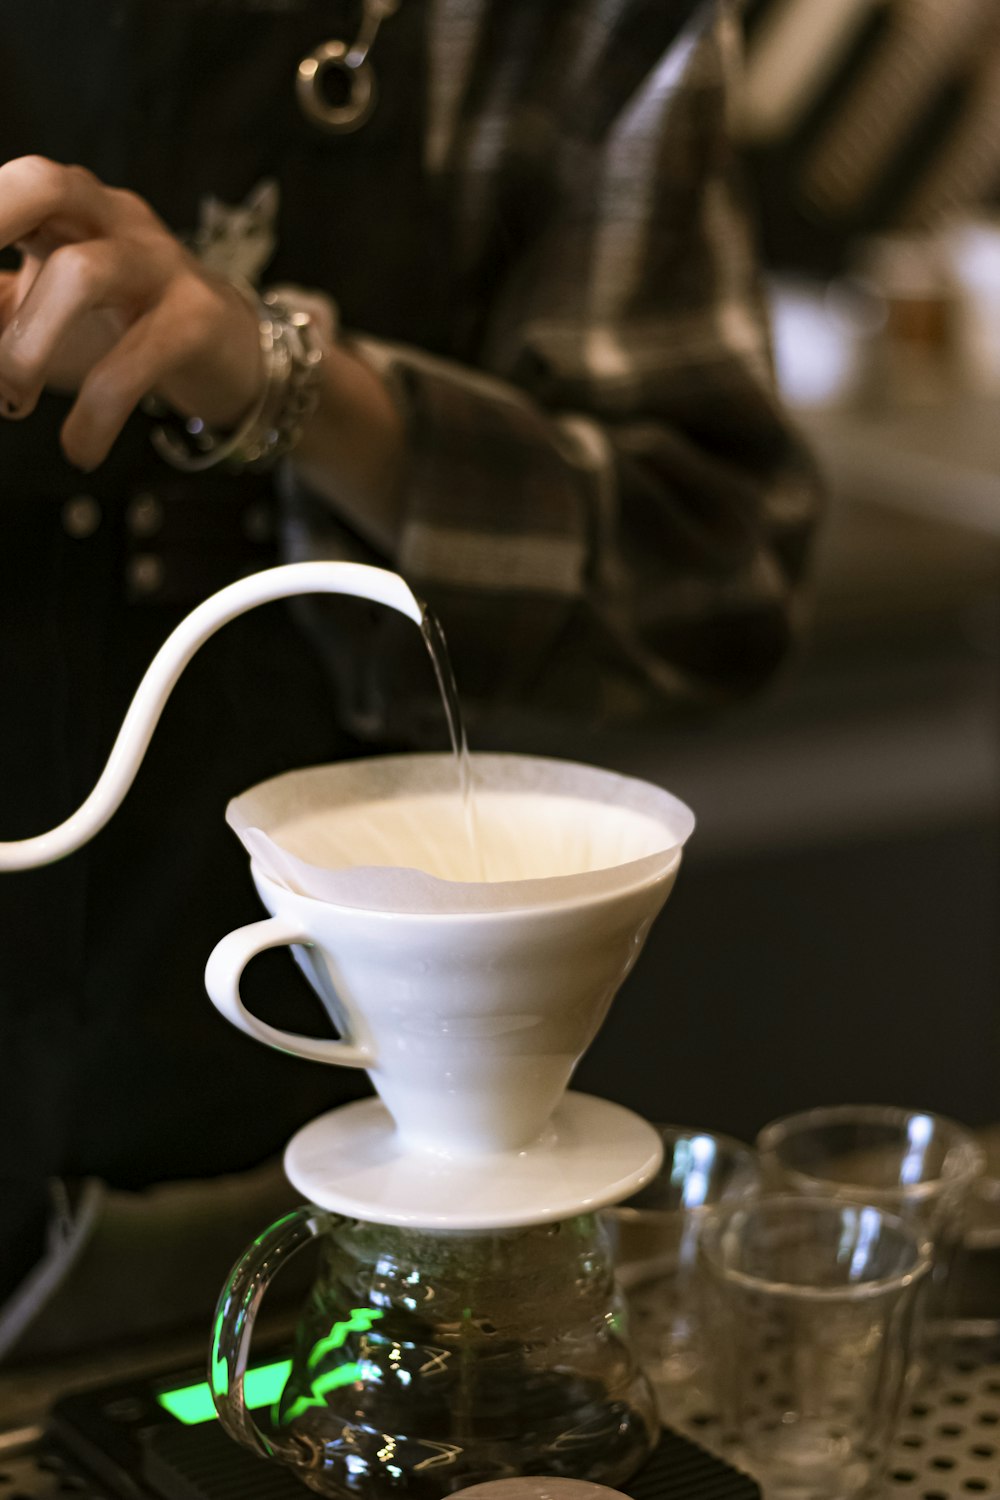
(350, 60)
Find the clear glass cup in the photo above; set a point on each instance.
(918, 1165)
(813, 1305)
(654, 1237)
(974, 1308)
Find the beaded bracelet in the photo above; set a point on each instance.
(292, 352)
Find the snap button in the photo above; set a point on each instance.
(145, 573)
(144, 515)
(81, 516)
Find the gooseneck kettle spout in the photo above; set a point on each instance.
(377, 584)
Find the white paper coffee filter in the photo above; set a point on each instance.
(392, 833)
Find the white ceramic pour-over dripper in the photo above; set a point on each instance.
(468, 1002)
(377, 584)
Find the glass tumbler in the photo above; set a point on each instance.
(918, 1165)
(654, 1237)
(812, 1305)
(974, 1309)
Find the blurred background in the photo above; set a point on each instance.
(834, 933)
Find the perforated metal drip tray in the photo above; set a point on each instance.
(948, 1444)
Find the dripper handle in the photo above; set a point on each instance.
(364, 582)
(235, 1315)
(224, 970)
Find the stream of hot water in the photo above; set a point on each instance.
(430, 629)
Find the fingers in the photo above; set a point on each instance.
(13, 404)
(109, 303)
(35, 191)
(140, 360)
(74, 280)
(14, 286)
(8, 295)
(8, 303)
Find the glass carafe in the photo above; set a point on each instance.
(429, 1360)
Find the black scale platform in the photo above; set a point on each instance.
(117, 1443)
(212, 1467)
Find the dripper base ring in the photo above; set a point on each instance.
(353, 1162)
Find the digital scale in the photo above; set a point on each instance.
(158, 1438)
(155, 1439)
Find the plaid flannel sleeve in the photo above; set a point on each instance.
(609, 512)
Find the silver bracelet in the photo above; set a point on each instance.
(292, 352)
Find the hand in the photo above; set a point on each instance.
(109, 305)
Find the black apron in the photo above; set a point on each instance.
(113, 1060)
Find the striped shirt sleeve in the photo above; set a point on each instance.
(605, 503)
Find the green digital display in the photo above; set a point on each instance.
(192, 1404)
(264, 1386)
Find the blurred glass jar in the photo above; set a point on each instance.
(824, 334)
(654, 1238)
(973, 255)
(911, 358)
